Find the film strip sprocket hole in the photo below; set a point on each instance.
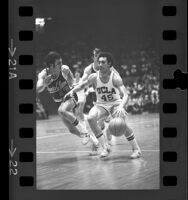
(26, 133)
(169, 108)
(171, 135)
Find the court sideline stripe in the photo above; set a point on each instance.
(63, 134)
(52, 152)
(135, 122)
(54, 135)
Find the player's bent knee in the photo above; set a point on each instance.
(79, 113)
(62, 112)
(128, 131)
(91, 119)
(71, 130)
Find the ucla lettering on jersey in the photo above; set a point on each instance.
(106, 92)
(58, 88)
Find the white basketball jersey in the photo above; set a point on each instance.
(107, 93)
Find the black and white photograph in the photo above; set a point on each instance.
(97, 95)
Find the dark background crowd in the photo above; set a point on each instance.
(139, 70)
(122, 28)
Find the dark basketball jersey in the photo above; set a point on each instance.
(58, 88)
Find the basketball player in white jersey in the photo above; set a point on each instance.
(92, 68)
(109, 89)
(58, 80)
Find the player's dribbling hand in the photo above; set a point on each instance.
(120, 112)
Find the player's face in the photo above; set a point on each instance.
(95, 55)
(95, 60)
(58, 64)
(77, 75)
(55, 69)
(104, 65)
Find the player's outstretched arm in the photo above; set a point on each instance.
(87, 72)
(91, 80)
(40, 82)
(68, 75)
(118, 82)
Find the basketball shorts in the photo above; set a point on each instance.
(81, 96)
(110, 108)
(74, 98)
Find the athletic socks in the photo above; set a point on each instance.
(133, 142)
(102, 140)
(94, 140)
(75, 123)
(131, 137)
(80, 127)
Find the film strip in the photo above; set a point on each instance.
(173, 114)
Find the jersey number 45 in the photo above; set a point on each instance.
(108, 97)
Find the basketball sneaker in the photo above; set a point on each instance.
(85, 138)
(108, 137)
(83, 133)
(94, 140)
(94, 150)
(136, 154)
(105, 152)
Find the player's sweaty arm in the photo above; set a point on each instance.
(40, 82)
(87, 72)
(117, 81)
(68, 75)
(91, 80)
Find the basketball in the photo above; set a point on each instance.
(117, 126)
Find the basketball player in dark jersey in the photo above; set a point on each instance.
(58, 80)
(93, 67)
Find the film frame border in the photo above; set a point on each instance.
(171, 132)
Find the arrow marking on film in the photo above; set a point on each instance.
(12, 150)
(12, 49)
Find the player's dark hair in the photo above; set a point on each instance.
(108, 56)
(96, 51)
(51, 57)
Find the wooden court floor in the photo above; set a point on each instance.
(63, 163)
